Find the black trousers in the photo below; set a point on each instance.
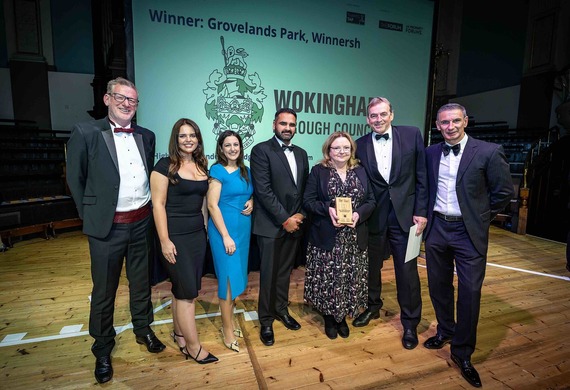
(277, 259)
(448, 243)
(130, 242)
(408, 288)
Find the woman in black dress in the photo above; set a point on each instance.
(178, 186)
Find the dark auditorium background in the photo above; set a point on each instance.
(510, 69)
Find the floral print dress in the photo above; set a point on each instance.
(336, 282)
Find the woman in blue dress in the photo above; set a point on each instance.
(230, 205)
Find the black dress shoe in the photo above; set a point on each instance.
(343, 330)
(103, 369)
(289, 322)
(468, 371)
(330, 327)
(152, 343)
(364, 318)
(410, 338)
(437, 342)
(266, 335)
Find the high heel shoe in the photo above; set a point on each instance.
(174, 336)
(238, 332)
(208, 359)
(234, 346)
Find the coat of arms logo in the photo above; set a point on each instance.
(234, 98)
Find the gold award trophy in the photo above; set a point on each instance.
(344, 210)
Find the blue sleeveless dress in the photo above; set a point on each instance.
(235, 192)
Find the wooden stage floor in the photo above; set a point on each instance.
(523, 334)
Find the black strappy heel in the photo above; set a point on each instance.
(174, 336)
(208, 359)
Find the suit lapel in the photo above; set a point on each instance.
(281, 155)
(396, 154)
(140, 145)
(107, 134)
(370, 156)
(300, 164)
(466, 158)
(436, 161)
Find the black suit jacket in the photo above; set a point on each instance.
(93, 171)
(484, 187)
(276, 197)
(322, 232)
(407, 189)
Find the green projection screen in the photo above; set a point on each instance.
(231, 65)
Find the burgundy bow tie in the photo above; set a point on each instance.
(122, 130)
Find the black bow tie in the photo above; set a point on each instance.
(287, 147)
(385, 136)
(122, 130)
(456, 148)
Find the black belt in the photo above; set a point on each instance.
(448, 218)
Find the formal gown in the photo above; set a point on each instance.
(336, 281)
(187, 232)
(235, 192)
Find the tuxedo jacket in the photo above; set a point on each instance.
(484, 187)
(93, 171)
(276, 196)
(407, 189)
(317, 201)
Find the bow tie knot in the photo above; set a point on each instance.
(456, 148)
(287, 147)
(123, 130)
(385, 136)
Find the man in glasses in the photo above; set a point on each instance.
(469, 183)
(108, 166)
(394, 159)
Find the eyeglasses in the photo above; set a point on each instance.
(184, 136)
(456, 121)
(121, 98)
(382, 115)
(339, 148)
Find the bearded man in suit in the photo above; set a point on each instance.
(279, 171)
(469, 183)
(394, 159)
(108, 167)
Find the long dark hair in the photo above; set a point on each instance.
(176, 156)
(221, 157)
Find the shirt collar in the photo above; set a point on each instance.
(463, 142)
(281, 143)
(389, 132)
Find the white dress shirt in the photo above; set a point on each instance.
(383, 153)
(446, 200)
(134, 189)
